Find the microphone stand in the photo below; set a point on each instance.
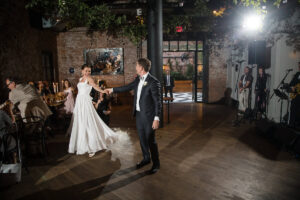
(281, 82)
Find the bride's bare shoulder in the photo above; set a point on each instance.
(90, 79)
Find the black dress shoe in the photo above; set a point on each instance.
(154, 169)
(142, 164)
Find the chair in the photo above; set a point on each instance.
(11, 172)
(33, 133)
(11, 136)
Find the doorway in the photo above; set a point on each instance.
(184, 60)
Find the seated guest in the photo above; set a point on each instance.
(103, 107)
(31, 83)
(102, 104)
(26, 98)
(41, 89)
(94, 93)
(69, 103)
(48, 88)
(6, 120)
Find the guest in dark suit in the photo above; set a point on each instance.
(147, 108)
(168, 84)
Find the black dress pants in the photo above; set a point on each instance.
(147, 137)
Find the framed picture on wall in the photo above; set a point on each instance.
(105, 61)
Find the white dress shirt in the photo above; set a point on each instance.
(168, 80)
(139, 91)
(140, 86)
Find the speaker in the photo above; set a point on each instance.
(265, 128)
(296, 146)
(35, 19)
(259, 54)
(285, 136)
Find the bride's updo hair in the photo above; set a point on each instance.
(84, 66)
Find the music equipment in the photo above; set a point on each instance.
(296, 92)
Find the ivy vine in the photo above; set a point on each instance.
(98, 16)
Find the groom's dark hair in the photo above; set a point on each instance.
(145, 63)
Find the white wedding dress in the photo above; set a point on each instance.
(89, 133)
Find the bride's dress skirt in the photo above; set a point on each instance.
(89, 133)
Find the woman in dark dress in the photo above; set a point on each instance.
(103, 108)
(102, 103)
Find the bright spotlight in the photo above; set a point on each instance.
(252, 22)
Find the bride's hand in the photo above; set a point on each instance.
(108, 90)
(104, 91)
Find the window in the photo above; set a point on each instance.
(173, 45)
(192, 45)
(200, 45)
(166, 45)
(182, 45)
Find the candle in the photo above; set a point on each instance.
(62, 85)
(57, 87)
(53, 87)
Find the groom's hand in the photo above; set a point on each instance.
(155, 124)
(109, 90)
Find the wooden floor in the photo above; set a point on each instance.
(202, 157)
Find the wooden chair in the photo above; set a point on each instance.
(11, 170)
(33, 133)
(11, 136)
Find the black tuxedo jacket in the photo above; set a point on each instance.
(171, 81)
(150, 99)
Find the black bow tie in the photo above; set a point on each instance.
(141, 78)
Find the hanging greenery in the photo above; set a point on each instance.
(96, 17)
(257, 3)
(187, 20)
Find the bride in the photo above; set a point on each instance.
(89, 133)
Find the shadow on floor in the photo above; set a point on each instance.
(90, 189)
(262, 145)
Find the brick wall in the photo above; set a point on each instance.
(21, 45)
(70, 50)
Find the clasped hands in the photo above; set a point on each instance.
(108, 91)
(155, 124)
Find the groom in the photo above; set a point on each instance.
(146, 109)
